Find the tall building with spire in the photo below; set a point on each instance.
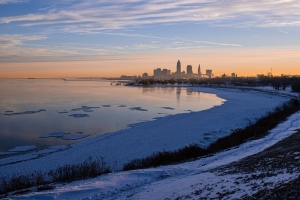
(199, 70)
(178, 71)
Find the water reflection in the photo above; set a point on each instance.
(169, 90)
(178, 92)
(158, 89)
(189, 91)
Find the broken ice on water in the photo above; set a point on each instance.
(79, 115)
(85, 108)
(9, 112)
(138, 108)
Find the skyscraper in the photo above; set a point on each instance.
(209, 73)
(199, 70)
(166, 73)
(178, 68)
(157, 73)
(189, 70)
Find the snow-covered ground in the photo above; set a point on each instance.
(168, 133)
(200, 178)
(288, 90)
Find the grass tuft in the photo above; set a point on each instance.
(167, 157)
(88, 169)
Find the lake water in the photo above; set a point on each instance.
(47, 112)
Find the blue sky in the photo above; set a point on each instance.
(135, 35)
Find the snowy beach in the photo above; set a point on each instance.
(167, 133)
(202, 178)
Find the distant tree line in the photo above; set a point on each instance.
(278, 83)
(296, 86)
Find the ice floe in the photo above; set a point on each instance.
(79, 115)
(168, 108)
(138, 108)
(63, 112)
(107, 106)
(9, 113)
(75, 136)
(85, 108)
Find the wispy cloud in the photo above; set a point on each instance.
(8, 41)
(281, 31)
(175, 41)
(18, 48)
(180, 41)
(103, 14)
(12, 1)
(218, 44)
(141, 46)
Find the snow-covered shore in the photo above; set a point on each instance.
(168, 133)
(200, 178)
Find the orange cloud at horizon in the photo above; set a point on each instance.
(244, 62)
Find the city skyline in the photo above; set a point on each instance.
(179, 72)
(109, 39)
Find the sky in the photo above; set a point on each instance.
(104, 38)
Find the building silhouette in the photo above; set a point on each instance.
(145, 75)
(178, 67)
(189, 70)
(209, 73)
(166, 73)
(157, 73)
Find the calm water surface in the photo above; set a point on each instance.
(30, 109)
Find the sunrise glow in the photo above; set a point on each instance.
(104, 39)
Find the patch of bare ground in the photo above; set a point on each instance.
(261, 170)
(289, 190)
(283, 155)
(271, 174)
